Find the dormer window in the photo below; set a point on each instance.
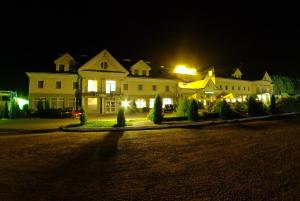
(104, 65)
(61, 67)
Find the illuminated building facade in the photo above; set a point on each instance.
(102, 84)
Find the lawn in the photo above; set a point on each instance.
(245, 161)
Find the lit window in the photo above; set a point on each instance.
(110, 86)
(167, 88)
(140, 103)
(92, 85)
(58, 84)
(151, 102)
(167, 101)
(210, 73)
(125, 86)
(103, 65)
(92, 103)
(140, 87)
(40, 84)
(154, 87)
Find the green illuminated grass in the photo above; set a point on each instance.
(103, 123)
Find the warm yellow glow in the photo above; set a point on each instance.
(21, 102)
(140, 103)
(92, 85)
(125, 104)
(210, 73)
(185, 70)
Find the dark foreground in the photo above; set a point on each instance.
(248, 161)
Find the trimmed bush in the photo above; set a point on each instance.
(240, 108)
(182, 107)
(6, 111)
(155, 114)
(121, 117)
(225, 111)
(193, 111)
(145, 109)
(215, 106)
(256, 108)
(40, 107)
(273, 108)
(83, 117)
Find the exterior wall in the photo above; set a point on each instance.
(49, 89)
(208, 88)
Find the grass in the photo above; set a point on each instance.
(104, 123)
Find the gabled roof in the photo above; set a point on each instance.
(267, 77)
(140, 64)
(104, 56)
(237, 73)
(64, 56)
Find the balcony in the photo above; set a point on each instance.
(101, 93)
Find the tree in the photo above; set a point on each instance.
(6, 111)
(156, 113)
(255, 108)
(83, 116)
(40, 107)
(182, 107)
(225, 112)
(193, 111)
(121, 117)
(273, 105)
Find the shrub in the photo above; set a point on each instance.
(256, 108)
(200, 105)
(240, 107)
(155, 114)
(145, 109)
(40, 107)
(289, 104)
(215, 106)
(83, 117)
(182, 107)
(6, 111)
(15, 110)
(273, 108)
(121, 117)
(193, 111)
(25, 110)
(225, 111)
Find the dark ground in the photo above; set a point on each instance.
(244, 161)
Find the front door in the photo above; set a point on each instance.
(110, 106)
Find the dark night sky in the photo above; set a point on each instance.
(259, 37)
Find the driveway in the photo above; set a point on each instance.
(245, 161)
